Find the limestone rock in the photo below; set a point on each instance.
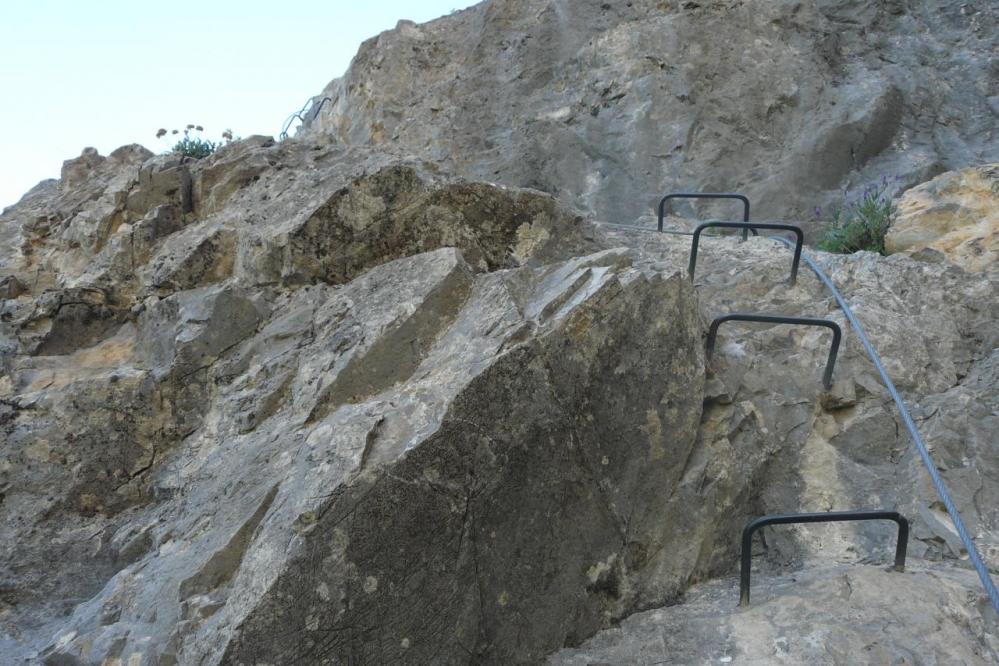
(231, 168)
(956, 213)
(608, 105)
(352, 398)
(11, 287)
(961, 425)
(265, 457)
(407, 416)
(64, 320)
(58, 226)
(935, 328)
(150, 337)
(395, 213)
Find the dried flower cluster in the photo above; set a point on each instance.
(192, 144)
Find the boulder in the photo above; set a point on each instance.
(365, 450)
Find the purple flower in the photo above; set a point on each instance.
(818, 212)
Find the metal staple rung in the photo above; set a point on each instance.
(830, 517)
(799, 234)
(779, 319)
(708, 195)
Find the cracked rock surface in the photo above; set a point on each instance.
(956, 214)
(396, 453)
(935, 327)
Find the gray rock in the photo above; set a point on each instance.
(63, 320)
(11, 287)
(409, 417)
(935, 329)
(267, 462)
(829, 615)
(394, 213)
(608, 105)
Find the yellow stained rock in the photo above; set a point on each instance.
(956, 213)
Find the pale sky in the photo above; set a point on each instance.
(104, 73)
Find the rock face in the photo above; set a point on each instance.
(608, 105)
(422, 518)
(934, 326)
(902, 623)
(956, 213)
(247, 444)
(196, 431)
(238, 404)
(381, 434)
(322, 401)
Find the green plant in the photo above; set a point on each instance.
(193, 144)
(862, 223)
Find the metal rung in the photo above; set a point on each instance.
(708, 195)
(830, 517)
(753, 227)
(777, 319)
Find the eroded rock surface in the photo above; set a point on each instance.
(608, 105)
(209, 427)
(276, 447)
(417, 439)
(935, 328)
(233, 307)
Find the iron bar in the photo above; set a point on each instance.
(300, 115)
(829, 517)
(799, 234)
(779, 319)
(708, 195)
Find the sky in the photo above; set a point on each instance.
(105, 73)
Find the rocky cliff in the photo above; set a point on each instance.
(333, 400)
(609, 104)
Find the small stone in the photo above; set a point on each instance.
(11, 287)
(842, 394)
